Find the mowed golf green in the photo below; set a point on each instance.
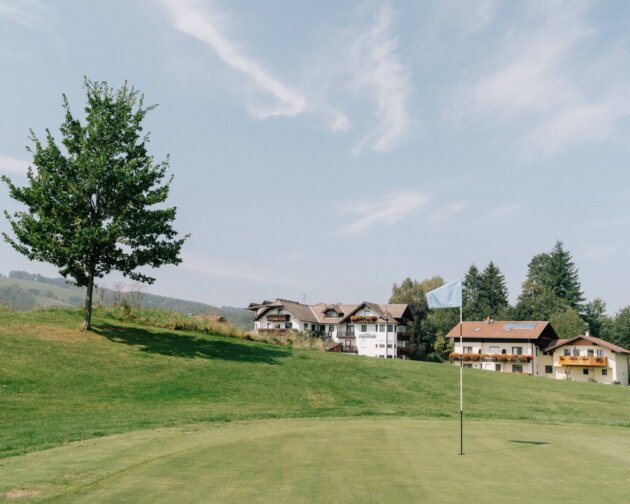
(143, 414)
(326, 460)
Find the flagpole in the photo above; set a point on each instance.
(461, 379)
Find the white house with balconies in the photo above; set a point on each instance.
(533, 347)
(585, 358)
(366, 328)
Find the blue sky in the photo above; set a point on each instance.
(330, 149)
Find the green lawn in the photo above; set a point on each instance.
(369, 460)
(58, 385)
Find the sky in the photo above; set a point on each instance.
(325, 150)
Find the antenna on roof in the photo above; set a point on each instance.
(304, 298)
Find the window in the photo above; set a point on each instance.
(467, 365)
(268, 325)
(389, 345)
(604, 372)
(351, 329)
(389, 356)
(590, 352)
(495, 350)
(279, 311)
(366, 311)
(306, 327)
(381, 328)
(517, 368)
(363, 328)
(497, 367)
(567, 352)
(381, 345)
(331, 328)
(288, 325)
(504, 351)
(584, 371)
(467, 349)
(599, 352)
(517, 350)
(548, 369)
(576, 352)
(390, 328)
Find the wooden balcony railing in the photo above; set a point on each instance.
(573, 360)
(278, 318)
(475, 357)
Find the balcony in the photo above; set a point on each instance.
(275, 331)
(278, 318)
(475, 357)
(346, 334)
(574, 360)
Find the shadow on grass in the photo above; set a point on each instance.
(537, 443)
(191, 347)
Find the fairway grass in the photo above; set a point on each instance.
(368, 460)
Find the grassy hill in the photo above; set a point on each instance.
(26, 291)
(59, 384)
(131, 413)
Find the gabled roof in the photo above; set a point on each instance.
(504, 329)
(385, 313)
(390, 313)
(590, 339)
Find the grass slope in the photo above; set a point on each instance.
(58, 384)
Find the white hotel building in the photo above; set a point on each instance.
(533, 347)
(365, 329)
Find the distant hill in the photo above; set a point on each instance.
(26, 291)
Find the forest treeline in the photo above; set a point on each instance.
(551, 291)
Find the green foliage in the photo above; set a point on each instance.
(421, 330)
(599, 323)
(97, 204)
(621, 329)
(485, 293)
(568, 323)
(471, 292)
(552, 285)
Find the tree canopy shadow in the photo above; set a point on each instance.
(187, 346)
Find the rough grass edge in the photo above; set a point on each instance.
(166, 319)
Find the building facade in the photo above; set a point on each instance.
(366, 328)
(533, 347)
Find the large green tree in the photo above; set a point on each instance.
(552, 285)
(96, 203)
(471, 291)
(493, 293)
(413, 293)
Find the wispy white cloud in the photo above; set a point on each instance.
(381, 75)
(198, 20)
(531, 81)
(27, 13)
(224, 268)
(387, 209)
(505, 212)
(13, 166)
(448, 211)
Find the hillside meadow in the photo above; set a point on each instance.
(59, 384)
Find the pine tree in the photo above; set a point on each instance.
(493, 292)
(473, 309)
(563, 277)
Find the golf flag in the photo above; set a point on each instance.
(447, 296)
(450, 296)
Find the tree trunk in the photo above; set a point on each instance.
(87, 315)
